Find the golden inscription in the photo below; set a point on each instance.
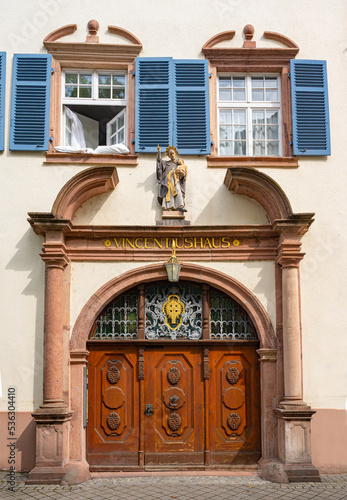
(182, 243)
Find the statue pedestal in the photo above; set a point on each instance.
(173, 218)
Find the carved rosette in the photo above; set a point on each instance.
(234, 421)
(174, 421)
(233, 375)
(113, 420)
(173, 375)
(113, 374)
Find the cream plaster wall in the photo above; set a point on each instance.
(134, 201)
(179, 30)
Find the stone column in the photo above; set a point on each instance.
(294, 415)
(52, 417)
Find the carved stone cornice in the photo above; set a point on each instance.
(44, 222)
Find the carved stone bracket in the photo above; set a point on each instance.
(267, 354)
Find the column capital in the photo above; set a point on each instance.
(55, 254)
(78, 357)
(267, 354)
(289, 254)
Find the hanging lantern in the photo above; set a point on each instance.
(173, 267)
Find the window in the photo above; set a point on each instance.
(94, 108)
(249, 115)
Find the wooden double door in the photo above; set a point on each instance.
(172, 406)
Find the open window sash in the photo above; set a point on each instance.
(116, 129)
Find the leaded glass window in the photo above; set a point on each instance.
(119, 320)
(228, 320)
(173, 311)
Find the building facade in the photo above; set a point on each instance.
(138, 139)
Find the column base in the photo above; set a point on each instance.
(294, 441)
(52, 428)
(302, 473)
(277, 472)
(76, 473)
(46, 475)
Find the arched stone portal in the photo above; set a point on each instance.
(285, 418)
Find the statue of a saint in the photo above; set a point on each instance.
(171, 176)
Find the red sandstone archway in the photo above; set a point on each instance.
(191, 272)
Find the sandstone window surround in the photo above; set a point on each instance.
(94, 57)
(251, 60)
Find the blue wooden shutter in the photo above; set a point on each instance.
(191, 107)
(311, 135)
(153, 103)
(31, 92)
(2, 97)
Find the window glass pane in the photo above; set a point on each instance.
(238, 81)
(239, 148)
(104, 79)
(258, 117)
(121, 136)
(71, 78)
(67, 137)
(239, 95)
(225, 116)
(85, 92)
(258, 148)
(271, 82)
(225, 94)
(118, 80)
(257, 95)
(271, 95)
(121, 121)
(70, 91)
(239, 116)
(104, 93)
(272, 132)
(224, 81)
(225, 132)
(226, 148)
(118, 93)
(240, 133)
(257, 82)
(272, 117)
(114, 127)
(273, 148)
(258, 132)
(85, 79)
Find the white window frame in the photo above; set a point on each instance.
(94, 99)
(249, 106)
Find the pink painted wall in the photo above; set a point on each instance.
(25, 443)
(329, 440)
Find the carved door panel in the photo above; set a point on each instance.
(113, 430)
(174, 425)
(234, 406)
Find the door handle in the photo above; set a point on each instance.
(149, 410)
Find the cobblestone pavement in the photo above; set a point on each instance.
(332, 487)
